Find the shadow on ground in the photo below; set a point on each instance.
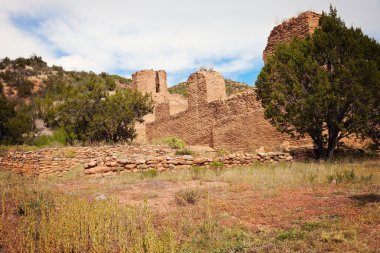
(366, 198)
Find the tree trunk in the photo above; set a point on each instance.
(331, 144)
(319, 149)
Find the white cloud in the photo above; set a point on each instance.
(177, 36)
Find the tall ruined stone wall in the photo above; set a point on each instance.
(205, 86)
(298, 27)
(153, 82)
(235, 123)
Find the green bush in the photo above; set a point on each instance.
(174, 142)
(59, 138)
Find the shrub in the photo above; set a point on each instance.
(221, 152)
(216, 164)
(59, 138)
(184, 151)
(292, 234)
(150, 173)
(340, 177)
(217, 167)
(24, 87)
(311, 225)
(187, 197)
(174, 142)
(197, 172)
(338, 236)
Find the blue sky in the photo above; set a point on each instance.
(121, 37)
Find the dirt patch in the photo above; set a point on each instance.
(280, 209)
(160, 195)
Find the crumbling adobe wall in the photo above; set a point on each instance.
(234, 123)
(297, 27)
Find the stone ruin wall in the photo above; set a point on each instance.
(150, 81)
(209, 117)
(235, 123)
(297, 27)
(113, 160)
(204, 87)
(154, 83)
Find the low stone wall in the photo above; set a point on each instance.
(163, 163)
(114, 159)
(58, 161)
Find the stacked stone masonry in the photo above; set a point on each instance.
(297, 27)
(211, 118)
(234, 123)
(107, 160)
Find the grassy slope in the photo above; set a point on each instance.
(281, 208)
(232, 87)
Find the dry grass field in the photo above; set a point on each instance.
(304, 207)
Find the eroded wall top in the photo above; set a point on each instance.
(297, 27)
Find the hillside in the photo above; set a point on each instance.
(25, 78)
(232, 87)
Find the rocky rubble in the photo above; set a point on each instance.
(112, 160)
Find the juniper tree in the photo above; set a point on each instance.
(326, 86)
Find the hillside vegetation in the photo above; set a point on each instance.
(78, 106)
(232, 87)
(24, 77)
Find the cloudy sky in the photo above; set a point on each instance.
(179, 36)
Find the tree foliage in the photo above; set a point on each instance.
(79, 106)
(13, 123)
(97, 116)
(326, 86)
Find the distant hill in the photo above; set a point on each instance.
(24, 78)
(232, 87)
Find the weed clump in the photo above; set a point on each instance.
(174, 142)
(188, 197)
(152, 173)
(184, 151)
(292, 234)
(347, 176)
(217, 167)
(197, 172)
